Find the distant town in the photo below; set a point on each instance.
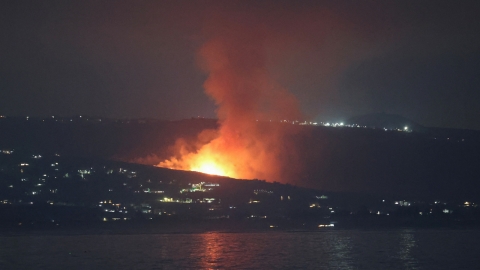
(81, 118)
(49, 190)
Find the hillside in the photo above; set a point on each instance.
(438, 163)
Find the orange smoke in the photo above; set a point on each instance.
(246, 145)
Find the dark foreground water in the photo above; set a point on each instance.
(334, 249)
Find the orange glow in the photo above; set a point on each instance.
(241, 157)
(209, 167)
(246, 145)
(208, 159)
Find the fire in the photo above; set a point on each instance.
(234, 158)
(209, 167)
(207, 159)
(244, 146)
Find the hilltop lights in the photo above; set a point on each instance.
(200, 187)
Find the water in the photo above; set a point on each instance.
(334, 249)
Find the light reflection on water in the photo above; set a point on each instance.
(341, 250)
(348, 249)
(407, 244)
(213, 249)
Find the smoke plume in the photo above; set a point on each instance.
(246, 145)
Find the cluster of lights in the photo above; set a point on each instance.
(200, 187)
(258, 191)
(172, 200)
(335, 124)
(187, 200)
(403, 203)
(114, 219)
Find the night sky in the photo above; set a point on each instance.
(418, 59)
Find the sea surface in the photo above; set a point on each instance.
(329, 249)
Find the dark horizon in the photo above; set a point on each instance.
(327, 123)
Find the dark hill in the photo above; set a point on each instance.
(88, 137)
(438, 163)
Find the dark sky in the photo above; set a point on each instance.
(418, 59)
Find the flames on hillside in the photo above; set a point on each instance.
(238, 81)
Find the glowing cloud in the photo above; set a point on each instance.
(246, 144)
